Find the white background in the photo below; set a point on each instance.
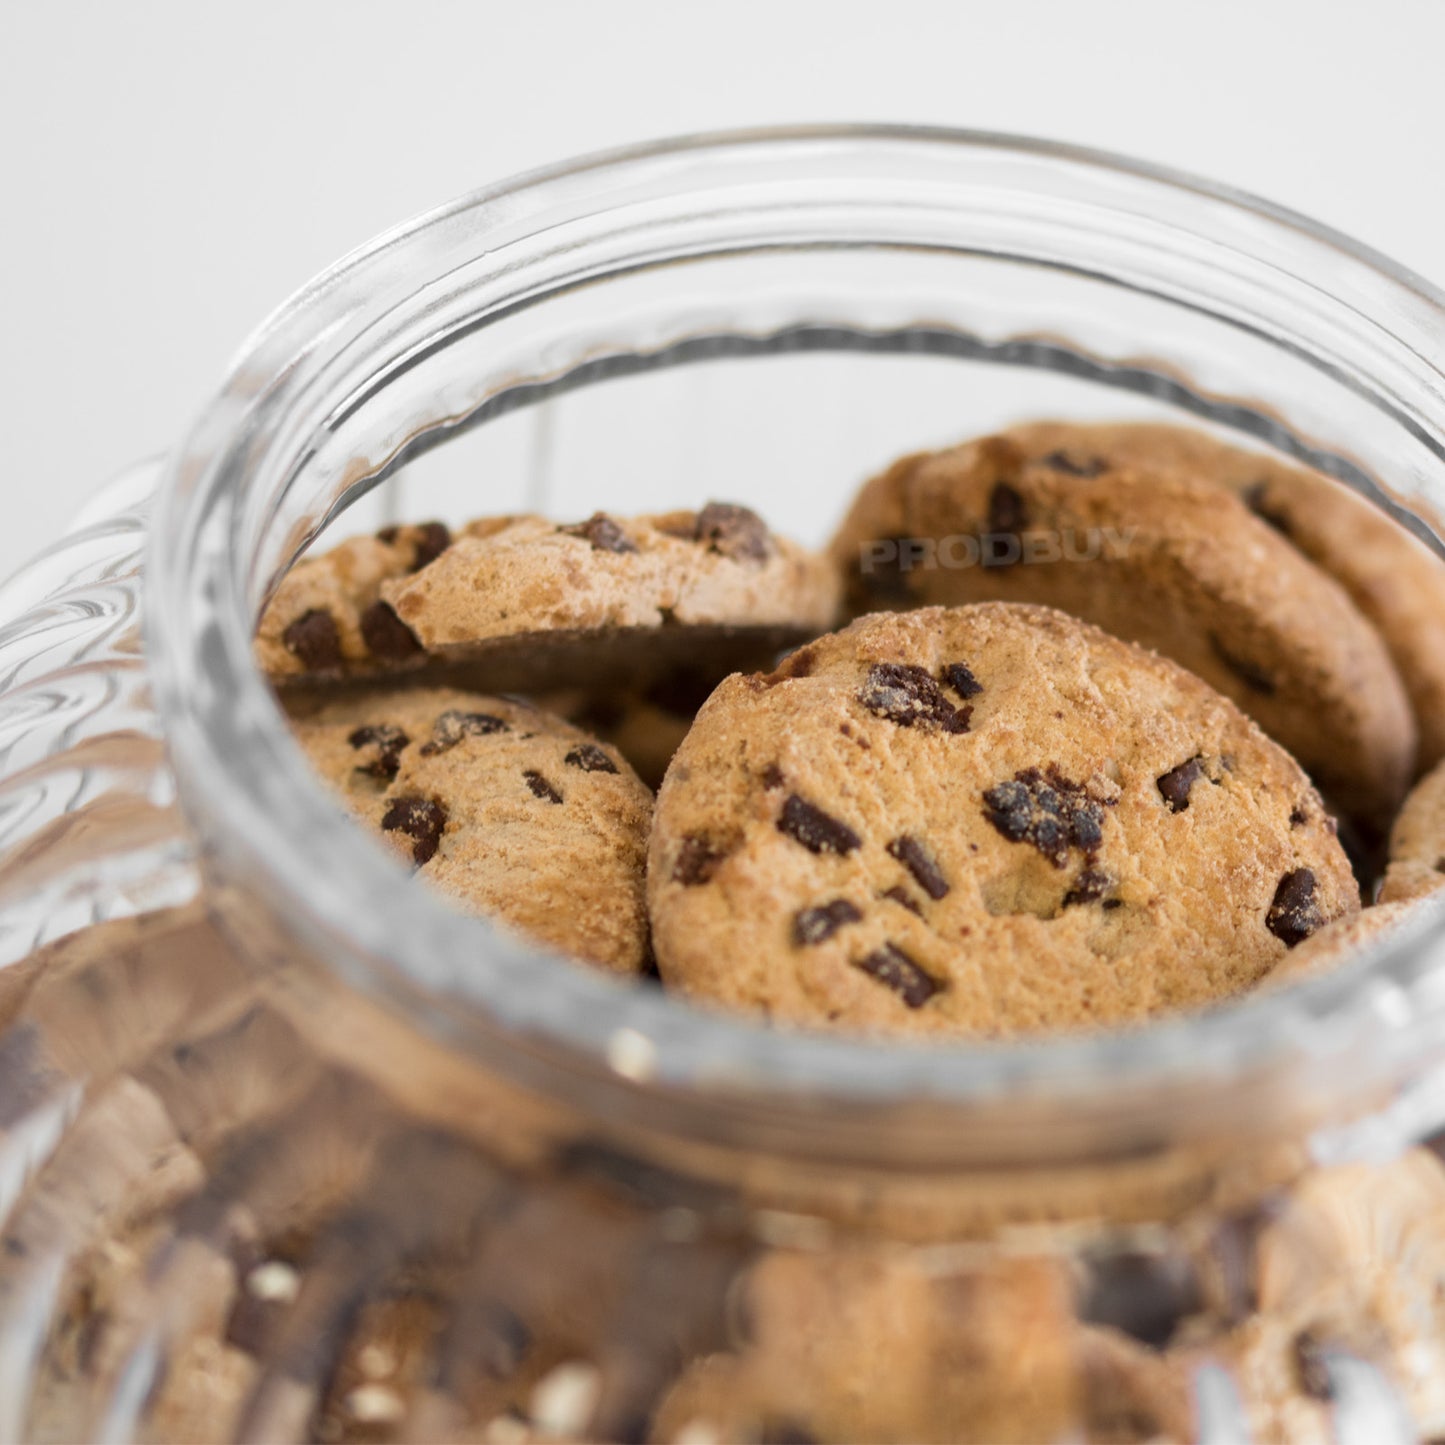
(172, 171)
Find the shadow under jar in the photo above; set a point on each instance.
(289, 1149)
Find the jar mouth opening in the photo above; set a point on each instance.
(467, 986)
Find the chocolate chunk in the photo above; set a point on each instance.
(901, 896)
(386, 635)
(814, 829)
(908, 696)
(815, 925)
(697, 861)
(389, 743)
(733, 531)
(540, 787)
(604, 534)
(1314, 1375)
(590, 758)
(1090, 887)
(422, 820)
(1294, 914)
(1147, 1296)
(433, 539)
(919, 862)
(1174, 785)
(1256, 498)
(894, 969)
(959, 676)
(453, 725)
(1076, 465)
(315, 639)
(1254, 677)
(1048, 811)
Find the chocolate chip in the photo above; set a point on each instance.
(1075, 465)
(591, 759)
(1174, 785)
(908, 696)
(1256, 498)
(1309, 1363)
(959, 676)
(814, 829)
(697, 861)
(453, 725)
(1090, 887)
(1298, 818)
(815, 925)
(386, 635)
(434, 538)
(1048, 811)
(1254, 677)
(389, 743)
(389, 535)
(604, 534)
(1440, 865)
(733, 531)
(919, 862)
(422, 820)
(1294, 914)
(901, 896)
(894, 969)
(540, 787)
(772, 777)
(315, 639)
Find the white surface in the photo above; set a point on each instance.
(172, 171)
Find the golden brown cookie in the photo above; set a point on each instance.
(1394, 580)
(509, 810)
(1417, 843)
(846, 1348)
(986, 820)
(541, 604)
(1164, 559)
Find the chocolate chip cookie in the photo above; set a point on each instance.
(987, 820)
(1417, 843)
(541, 604)
(1394, 580)
(1158, 557)
(509, 810)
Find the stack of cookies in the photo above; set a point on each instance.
(1111, 722)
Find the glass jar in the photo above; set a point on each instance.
(293, 1150)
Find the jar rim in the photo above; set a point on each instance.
(255, 802)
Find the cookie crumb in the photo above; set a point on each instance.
(564, 1399)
